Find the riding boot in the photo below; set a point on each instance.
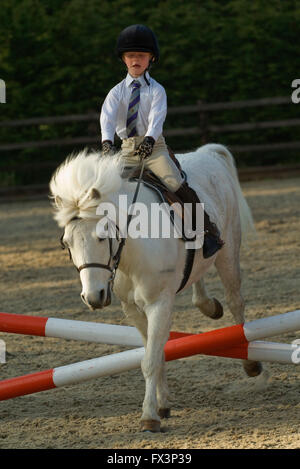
(212, 241)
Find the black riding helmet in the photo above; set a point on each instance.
(138, 38)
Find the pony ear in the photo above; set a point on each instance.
(94, 194)
(58, 201)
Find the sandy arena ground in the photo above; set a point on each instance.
(214, 404)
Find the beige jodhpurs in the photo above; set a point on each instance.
(160, 163)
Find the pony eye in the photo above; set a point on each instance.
(63, 243)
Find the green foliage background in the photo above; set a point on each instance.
(57, 57)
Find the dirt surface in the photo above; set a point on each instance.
(214, 404)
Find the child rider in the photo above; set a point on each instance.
(136, 109)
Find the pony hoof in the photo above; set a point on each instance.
(152, 426)
(164, 413)
(253, 368)
(218, 310)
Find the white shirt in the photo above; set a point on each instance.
(151, 113)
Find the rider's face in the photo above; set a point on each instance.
(137, 62)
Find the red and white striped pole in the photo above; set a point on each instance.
(118, 363)
(129, 336)
(235, 338)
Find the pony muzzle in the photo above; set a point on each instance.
(97, 299)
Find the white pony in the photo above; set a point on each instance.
(151, 270)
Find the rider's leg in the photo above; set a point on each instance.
(163, 166)
(166, 170)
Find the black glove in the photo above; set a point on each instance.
(145, 148)
(108, 148)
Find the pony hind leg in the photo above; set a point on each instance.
(228, 267)
(210, 307)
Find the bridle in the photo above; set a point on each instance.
(112, 257)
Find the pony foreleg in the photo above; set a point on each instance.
(138, 318)
(159, 323)
(163, 392)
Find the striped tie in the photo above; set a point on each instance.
(133, 109)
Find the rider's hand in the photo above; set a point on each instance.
(145, 148)
(107, 148)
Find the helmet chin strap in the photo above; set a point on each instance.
(148, 68)
(145, 78)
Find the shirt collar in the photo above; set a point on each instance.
(129, 79)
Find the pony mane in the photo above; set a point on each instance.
(73, 184)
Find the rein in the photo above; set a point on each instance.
(117, 256)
